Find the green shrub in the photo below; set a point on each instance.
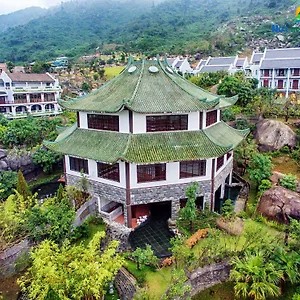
(285, 149)
(289, 181)
(265, 185)
(242, 124)
(228, 115)
(227, 209)
(80, 232)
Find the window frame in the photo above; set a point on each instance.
(75, 165)
(162, 123)
(211, 117)
(198, 169)
(112, 171)
(147, 173)
(103, 122)
(220, 162)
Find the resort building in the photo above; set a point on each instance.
(181, 65)
(22, 94)
(278, 69)
(143, 138)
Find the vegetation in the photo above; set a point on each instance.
(74, 272)
(289, 181)
(46, 159)
(145, 257)
(8, 181)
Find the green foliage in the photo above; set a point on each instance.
(242, 124)
(229, 86)
(289, 181)
(285, 149)
(22, 187)
(260, 168)
(296, 297)
(265, 185)
(178, 288)
(228, 115)
(72, 272)
(254, 276)
(40, 67)
(51, 221)
(206, 80)
(8, 181)
(80, 232)
(10, 66)
(29, 132)
(86, 87)
(145, 257)
(189, 212)
(46, 159)
(181, 252)
(227, 209)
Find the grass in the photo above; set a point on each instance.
(157, 281)
(44, 178)
(218, 292)
(111, 72)
(94, 228)
(286, 165)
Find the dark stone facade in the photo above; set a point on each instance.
(125, 284)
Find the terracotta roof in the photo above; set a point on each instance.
(31, 77)
(141, 90)
(148, 148)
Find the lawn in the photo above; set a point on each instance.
(94, 228)
(111, 72)
(157, 281)
(284, 164)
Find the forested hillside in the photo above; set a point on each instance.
(173, 26)
(20, 17)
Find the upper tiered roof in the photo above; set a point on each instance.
(148, 87)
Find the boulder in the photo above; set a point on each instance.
(272, 135)
(278, 201)
(233, 226)
(3, 165)
(3, 153)
(276, 176)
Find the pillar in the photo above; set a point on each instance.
(175, 207)
(13, 110)
(222, 191)
(28, 98)
(42, 97)
(43, 107)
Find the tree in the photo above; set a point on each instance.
(22, 186)
(260, 168)
(46, 159)
(255, 277)
(10, 65)
(189, 212)
(289, 181)
(229, 86)
(244, 153)
(40, 67)
(181, 252)
(227, 209)
(145, 257)
(85, 87)
(8, 181)
(72, 272)
(178, 288)
(51, 221)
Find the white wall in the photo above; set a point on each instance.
(93, 173)
(172, 176)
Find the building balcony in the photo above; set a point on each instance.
(111, 211)
(36, 100)
(50, 99)
(20, 101)
(36, 90)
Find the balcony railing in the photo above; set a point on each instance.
(111, 211)
(20, 101)
(36, 89)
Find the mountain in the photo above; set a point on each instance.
(20, 17)
(177, 26)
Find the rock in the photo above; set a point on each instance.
(272, 135)
(3, 165)
(278, 200)
(280, 38)
(3, 153)
(233, 227)
(276, 176)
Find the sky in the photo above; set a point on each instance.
(7, 6)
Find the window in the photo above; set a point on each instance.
(103, 122)
(167, 123)
(110, 172)
(211, 117)
(79, 165)
(192, 168)
(220, 162)
(147, 173)
(229, 154)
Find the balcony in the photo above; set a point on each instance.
(20, 101)
(40, 89)
(111, 211)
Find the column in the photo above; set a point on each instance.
(43, 107)
(287, 84)
(273, 79)
(230, 178)
(222, 191)
(175, 209)
(28, 98)
(43, 97)
(13, 110)
(128, 216)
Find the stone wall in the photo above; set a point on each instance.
(109, 192)
(221, 177)
(208, 276)
(125, 284)
(87, 209)
(119, 232)
(9, 257)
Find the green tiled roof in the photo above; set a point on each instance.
(145, 92)
(147, 148)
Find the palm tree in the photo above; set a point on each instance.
(289, 264)
(254, 277)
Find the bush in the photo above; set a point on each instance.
(242, 124)
(285, 149)
(46, 159)
(265, 185)
(289, 181)
(228, 115)
(227, 209)
(8, 181)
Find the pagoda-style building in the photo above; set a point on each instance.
(143, 138)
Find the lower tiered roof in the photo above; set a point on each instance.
(110, 147)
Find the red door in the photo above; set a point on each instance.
(280, 84)
(266, 83)
(295, 84)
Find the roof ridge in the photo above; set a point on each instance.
(239, 131)
(137, 85)
(169, 76)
